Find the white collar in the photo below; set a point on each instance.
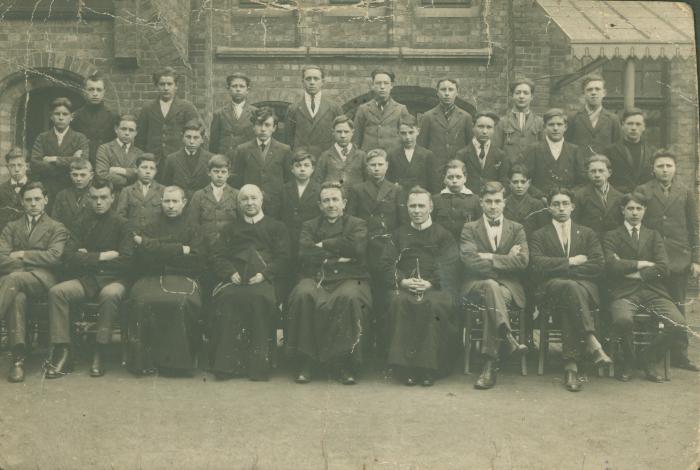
(555, 145)
(240, 105)
(144, 185)
(516, 112)
(499, 219)
(562, 225)
(122, 144)
(255, 219)
(316, 98)
(217, 188)
(629, 227)
(593, 113)
(464, 190)
(424, 225)
(22, 182)
(61, 134)
(261, 142)
(477, 145)
(340, 149)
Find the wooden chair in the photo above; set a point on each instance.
(474, 329)
(646, 327)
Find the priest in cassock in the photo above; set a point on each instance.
(327, 309)
(422, 330)
(165, 301)
(249, 256)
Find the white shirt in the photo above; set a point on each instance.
(555, 147)
(409, 153)
(144, 188)
(494, 233)
(21, 182)
(165, 106)
(217, 191)
(593, 115)
(60, 135)
(125, 147)
(317, 102)
(464, 190)
(564, 234)
(629, 228)
(255, 219)
(339, 149)
(302, 187)
(521, 116)
(477, 147)
(424, 225)
(238, 109)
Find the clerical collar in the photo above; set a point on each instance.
(424, 225)
(255, 219)
(464, 190)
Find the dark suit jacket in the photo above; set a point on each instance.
(529, 211)
(548, 260)
(178, 171)
(293, 211)
(375, 128)
(313, 134)
(97, 124)
(331, 167)
(676, 218)
(546, 172)
(504, 267)
(112, 154)
(378, 205)
(512, 140)
(580, 132)
(268, 173)
(160, 135)
(140, 212)
(42, 248)
(69, 207)
(56, 176)
(227, 132)
(621, 257)
(627, 174)
(445, 136)
(495, 168)
(210, 215)
(419, 171)
(591, 212)
(452, 211)
(10, 204)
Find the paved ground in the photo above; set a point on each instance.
(123, 422)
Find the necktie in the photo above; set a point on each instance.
(482, 154)
(313, 104)
(262, 147)
(344, 151)
(635, 236)
(564, 240)
(32, 224)
(125, 148)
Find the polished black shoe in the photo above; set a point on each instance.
(513, 347)
(428, 380)
(410, 381)
(571, 382)
(304, 375)
(600, 359)
(97, 369)
(16, 373)
(60, 365)
(686, 365)
(347, 377)
(623, 373)
(487, 379)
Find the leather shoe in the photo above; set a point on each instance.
(512, 345)
(428, 380)
(347, 378)
(96, 369)
(652, 376)
(686, 365)
(411, 381)
(601, 359)
(60, 365)
(571, 382)
(487, 379)
(16, 370)
(623, 373)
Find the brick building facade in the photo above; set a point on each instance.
(50, 46)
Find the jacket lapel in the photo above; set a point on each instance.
(228, 116)
(483, 235)
(38, 231)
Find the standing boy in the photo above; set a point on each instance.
(188, 167)
(631, 157)
(455, 204)
(410, 164)
(520, 127)
(521, 207)
(115, 159)
(95, 120)
(140, 203)
(483, 160)
(71, 203)
(343, 161)
(598, 203)
(231, 125)
(10, 202)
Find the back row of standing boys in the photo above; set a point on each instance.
(350, 226)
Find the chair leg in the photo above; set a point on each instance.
(543, 342)
(467, 341)
(667, 365)
(522, 335)
(614, 345)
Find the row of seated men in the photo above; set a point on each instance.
(345, 263)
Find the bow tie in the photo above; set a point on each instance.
(494, 223)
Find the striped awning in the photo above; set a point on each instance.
(624, 28)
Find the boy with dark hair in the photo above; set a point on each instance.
(71, 203)
(410, 164)
(95, 120)
(521, 207)
(455, 204)
(10, 202)
(188, 167)
(115, 159)
(598, 203)
(631, 156)
(342, 162)
(140, 203)
(216, 204)
(231, 125)
(520, 127)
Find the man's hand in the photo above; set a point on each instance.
(515, 250)
(421, 286)
(49, 159)
(577, 260)
(634, 275)
(138, 239)
(117, 170)
(108, 255)
(78, 154)
(82, 250)
(257, 279)
(236, 278)
(17, 255)
(641, 264)
(344, 260)
(485, 255)
(185, 250)
(695, 269)
(319, 244)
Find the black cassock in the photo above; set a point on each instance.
(165, 302)
(245, 315)
(422, 328)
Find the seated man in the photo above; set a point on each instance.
(422, 335)
(327, 309)
(165, 301)
(96, 257)
(251, 253)
(637, 265)
(598, 202)
(494, 252)
(567, 260)
(30, 249)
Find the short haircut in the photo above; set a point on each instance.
(664, 153)
(301, 155)
(561, 190)
(15, 153)
(194, 125)
(407, 120)
(635, 196)
(376, 72)
(492, 187)
(99, 183)
(456, 165)
(218, 161)
(454, 81)
(518, 168)
(419, 190)
(594, 77)
(332, 185)
(598, 158)
(311, 67)
(94, 77)
(554, 112)
(32, 185)
(262, 114)
(63, 101)
(127, 117)
(174, 188)
(81, 164)
(165, 72)
(235, 75)
(144, 157)
(489, 114)
(633, 112)
(522, 81)
(343, 119)
(376, 153)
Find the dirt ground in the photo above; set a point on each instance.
(123, 422)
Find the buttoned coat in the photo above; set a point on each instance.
(160, 135)
(377, 128)
(227, 132)
(177, 171)
(112, 154)
(546, 172)
(445, 136)
(312, 133)
(626, 173)
(420, 171)
(140, 211)
(210, 215)
(331, 167)
(495, 168)
(56, 175)
(593, 139)
(269, 173)
(509, 137)
(592, 213)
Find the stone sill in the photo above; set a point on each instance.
(445, 12)
(352, 11)
(266, 12)
(225, 52)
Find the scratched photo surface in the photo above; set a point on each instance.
(385, 234)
